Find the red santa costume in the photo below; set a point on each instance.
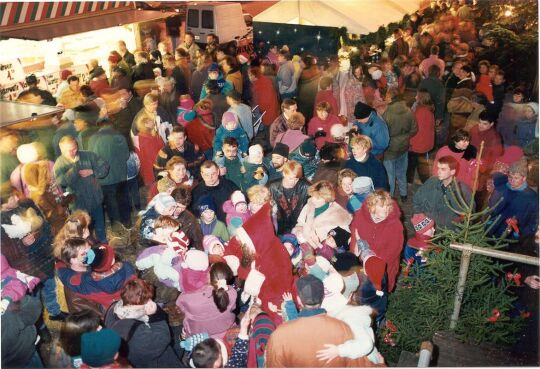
(272, 272)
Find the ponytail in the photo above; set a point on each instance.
(221, 276)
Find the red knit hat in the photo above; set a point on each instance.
(64, 74)
(374, 267)
(179, 242)
(422, 223)
(104, 259)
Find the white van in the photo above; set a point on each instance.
(223, 20)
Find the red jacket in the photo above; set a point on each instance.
(265, 95)
(385, 238)
(484, 86)
(424, 139)
(315, 123)
(149, 149)
(493, 147)
(328, 96)
(201, 134)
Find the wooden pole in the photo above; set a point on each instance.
(458, 298)
(525, 259)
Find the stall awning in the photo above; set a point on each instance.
(42, 21)
(16, 114)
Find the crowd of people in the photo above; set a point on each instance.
(266, 192)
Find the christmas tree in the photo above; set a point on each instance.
(424, 298)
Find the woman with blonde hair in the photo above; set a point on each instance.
(146, 136)
(76, 225)
(378, 223)
(320, 215)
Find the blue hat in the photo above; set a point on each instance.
(213, 68)
(99, 348)
(206, 203)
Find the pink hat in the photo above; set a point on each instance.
(186, 102)
(196, 260)
(237, 197)
(229, 116)
(210, 240)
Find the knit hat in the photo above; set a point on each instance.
(261, 329)
(362, 111)
(341, 237)
(363, 185)
(196, 260)
(206, 203)
(345, 261)
(374, 268)
(255, 150)
(338, 131)
(237, 197)
(99, 348)
(229, 116)
(186, 102)
(519, 167)
(422, 223)
(281, 149)
(210, 240)
(333, 299)
(213, 68)
(64, 74)
(243, 58)
(27, 153)
(103, 258)
(161, 202)
(534, 107)
(189, 343)
(179, 242)
(308, 148)
(310, 290)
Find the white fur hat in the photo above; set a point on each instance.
(237, 197)
(196, 260)
(27, 153)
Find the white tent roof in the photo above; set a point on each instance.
(359, 16)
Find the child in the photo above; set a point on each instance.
(290, 242)
(163, 257)
(15, 284)
(237, 211)
(527, 126)
(362, 186)
(210, 224)
(100, 350)
(416, 246)
(319, 126)
(255, 168)
(483, 84)
(337, 241)
(214, 248)
(326, 94)
(230, 128)
(185, 112)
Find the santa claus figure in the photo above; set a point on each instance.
(257, 256)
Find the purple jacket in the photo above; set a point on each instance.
(13, 288)
(202, 314)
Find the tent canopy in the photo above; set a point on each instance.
(358, 16)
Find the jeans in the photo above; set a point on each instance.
(134, 198)
(49, 297)
(98, 220)
(116, 202)
(396, 169)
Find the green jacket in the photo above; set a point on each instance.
(88, 189)
(401, 127)
(110, 145)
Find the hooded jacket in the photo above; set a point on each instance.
(401, 127)
(384, 238)
(224, 86)
(376, 129)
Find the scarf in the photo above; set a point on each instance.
(305, 313)
(127, 312)
(520, 188)
(208, 228)
(322, 209)
(419, 241)
(468, 154)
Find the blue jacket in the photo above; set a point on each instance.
(377, 130)
(238, 133)
(224, 86)
(521, 204)
(372, 168)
